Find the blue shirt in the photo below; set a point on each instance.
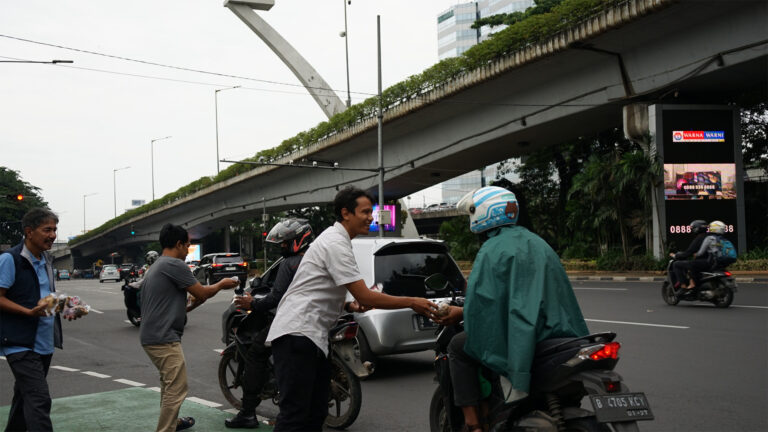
(44, 337)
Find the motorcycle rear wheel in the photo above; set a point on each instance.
(668, 294)
(134, 318)
(725, 300)
(586, 424)
(345, 397)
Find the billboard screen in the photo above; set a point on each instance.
(194, 252)
(392, 218)
(699, 181)
(700, 178)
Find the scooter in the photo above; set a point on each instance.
(131, 299)
(564, 372)
(716, 286)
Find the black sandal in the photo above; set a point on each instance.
(184, 423)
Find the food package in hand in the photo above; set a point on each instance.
(75, 308)
(443, 308)
(61, 303)
(50, 304)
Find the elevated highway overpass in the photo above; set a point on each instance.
(577, 82)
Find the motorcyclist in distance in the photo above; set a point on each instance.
(681, 265)
(706, 257)
(293, 236)
(518, 295)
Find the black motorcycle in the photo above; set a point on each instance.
(131, 299)
(564, 372)
(345, 397)
(716, 286)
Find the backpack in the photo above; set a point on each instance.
(726, 252)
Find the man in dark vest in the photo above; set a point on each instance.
(27, 335)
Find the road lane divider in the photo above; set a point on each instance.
(600, 289)
(64, 368)
(203, 402)
(637, 324)
(129, 382)
(96, 374)
(749, 307)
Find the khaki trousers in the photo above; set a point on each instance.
(169, 361)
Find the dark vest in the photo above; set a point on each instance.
(21, 330)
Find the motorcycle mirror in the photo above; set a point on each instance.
(256, 282)
(437, 282)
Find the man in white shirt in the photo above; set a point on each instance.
(311, 306)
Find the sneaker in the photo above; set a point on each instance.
(242, 421)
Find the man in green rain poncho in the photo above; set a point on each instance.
(518, 295)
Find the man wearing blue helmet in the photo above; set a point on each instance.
(517, 296)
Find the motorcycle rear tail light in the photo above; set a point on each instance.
(349, 332)
(727, 273)
(608, 350)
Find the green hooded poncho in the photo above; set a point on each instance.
(518, 295)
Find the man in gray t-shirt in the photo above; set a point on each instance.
(164, 310)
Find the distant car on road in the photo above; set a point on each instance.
(64, 275)
(126, 269)
(193, 264)
(216, 266)
(109, 272)
(87, 273)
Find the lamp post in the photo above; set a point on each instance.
(152, 158)
(84, 196)
(345, 35)
(216, 108)
(114, 186)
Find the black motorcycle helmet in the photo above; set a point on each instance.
(699, 226)
(292, 235)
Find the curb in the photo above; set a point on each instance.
(650, 279)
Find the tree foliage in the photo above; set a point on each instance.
(11, 211)
(754, 136)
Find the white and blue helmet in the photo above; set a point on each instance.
(489, 207)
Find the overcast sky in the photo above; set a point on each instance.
(65, 128)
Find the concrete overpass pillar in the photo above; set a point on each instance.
(226, 239)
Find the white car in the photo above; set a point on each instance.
(109, 272)
(400, 266)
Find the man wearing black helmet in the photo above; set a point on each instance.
(681, 266)
(293, 236)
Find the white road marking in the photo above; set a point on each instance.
(129, 382)
(637, 323)
(231, 411)
(157, 389)
(601, 289)
(218, 350)
(96, 374)
(126, 321)
(65, 369)
(204, 402)
(96, 311)
(2, 357)
(750, 307)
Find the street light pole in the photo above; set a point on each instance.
(216, 108)
(152, 158)
(114, 186)
(346, 48)
(84, 196)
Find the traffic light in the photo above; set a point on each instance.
(133, 232)
(15, 197)
(264, 234)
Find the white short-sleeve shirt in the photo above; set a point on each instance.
(315, 299)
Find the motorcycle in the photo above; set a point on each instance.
(345, 396)
(564, 371)
(716, 286)
(131, 300)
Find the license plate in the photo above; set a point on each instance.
(231, 268)
(424, 323)
(621, 407)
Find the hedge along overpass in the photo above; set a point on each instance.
(577, 82)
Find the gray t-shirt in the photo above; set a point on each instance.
(164, 301)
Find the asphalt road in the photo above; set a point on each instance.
(703, 369)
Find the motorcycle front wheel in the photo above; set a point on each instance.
(345, 397)
(668, 294)
(438, 415)
(229, 379)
